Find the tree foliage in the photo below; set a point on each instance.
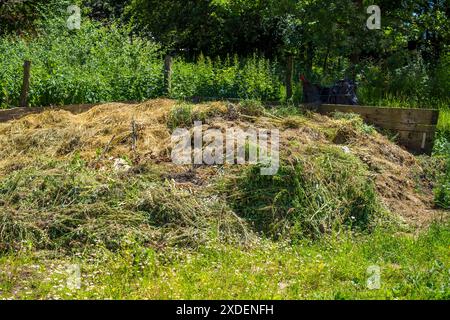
(407, 57)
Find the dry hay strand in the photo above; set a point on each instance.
(191, 218)
(105, 132)
(60, 133)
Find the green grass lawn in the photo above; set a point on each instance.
(333, 268)
(444, 120)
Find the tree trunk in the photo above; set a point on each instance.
(309, 59)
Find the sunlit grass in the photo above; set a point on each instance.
(333, 268)
(444, 119)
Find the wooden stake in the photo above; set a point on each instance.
(168, 75)
(25, 84)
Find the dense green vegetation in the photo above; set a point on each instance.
(99, 63)
(442, 152)
(310, 231)
(92, 65)
(121, 58)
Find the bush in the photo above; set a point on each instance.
(405, 81)
(99, 63)
(94, 64)
(183, 115)
(442, 150)
(251, 78)
(442, 191)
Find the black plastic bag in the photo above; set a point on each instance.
(342, 92)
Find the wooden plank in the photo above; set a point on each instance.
(382, 115)
(417, 142)
(17, 113)
(396, 126)
(79, 108)
(415, 127)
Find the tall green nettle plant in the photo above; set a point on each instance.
(93, 64)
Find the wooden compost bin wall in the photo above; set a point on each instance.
(415, 127)
(17, 113)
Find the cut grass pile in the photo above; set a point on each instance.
(323, 192)
(68, 206)
(99, 190)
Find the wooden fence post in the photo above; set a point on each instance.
(25, 84)
(168, 75)
(289, 73)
